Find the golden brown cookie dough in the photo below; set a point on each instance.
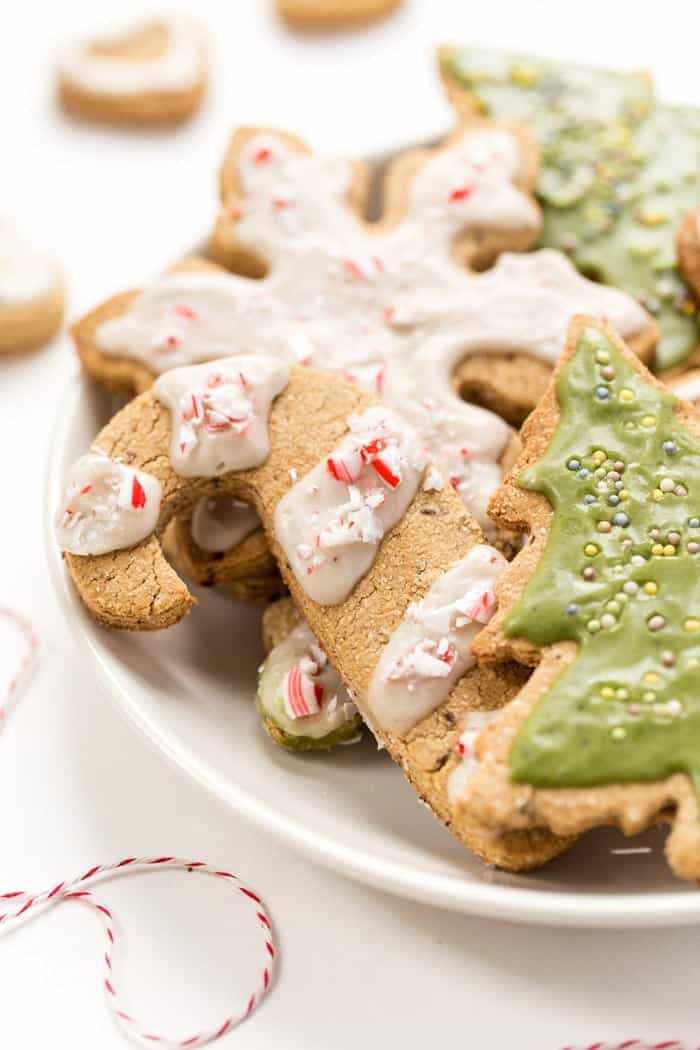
(137, 589)
(492, 798)
(248, 572)
(154, 73)
(330, 14)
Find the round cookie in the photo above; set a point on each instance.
(31, 294)
(152, 73)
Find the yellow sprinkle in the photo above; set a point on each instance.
(657, 495)
(653, 218)
(692, 624)
(598, 457)
(626, 394)
(623, 494)
(607, 692)
(657, 550)
(524, 75)
(649, 422)
(651, 678)
(650, 587)
(590, 550)
(669, 550)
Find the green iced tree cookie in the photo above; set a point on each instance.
(619, 172)
(620, 576)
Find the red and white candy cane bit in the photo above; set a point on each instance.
(25, 663)
(22, 904)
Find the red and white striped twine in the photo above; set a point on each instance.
(26, 662)
(637, 1044)
(23, 904)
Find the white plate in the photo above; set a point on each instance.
(190, 691)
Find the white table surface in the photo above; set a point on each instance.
(77, 785)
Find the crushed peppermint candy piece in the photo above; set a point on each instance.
(302, 696)
(426, 659)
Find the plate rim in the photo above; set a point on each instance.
(482, 899)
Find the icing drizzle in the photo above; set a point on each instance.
(106, 506)
(431, 648)
(219, 413)
(330, 524)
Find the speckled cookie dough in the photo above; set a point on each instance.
(605, 600)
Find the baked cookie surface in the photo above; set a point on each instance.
(333, 13)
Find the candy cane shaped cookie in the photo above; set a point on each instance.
(391, 574)
(605, 601)
(31, 294)
(150, 73)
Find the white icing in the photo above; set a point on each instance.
(474, 722)
(431, 648)
(331, 523)
(107, 506)
(181, 65)
(25, 274)
(219, 413)
(688, 387)
(219, 523)
(390, 310)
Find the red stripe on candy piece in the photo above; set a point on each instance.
(385, 473)
(262, 156)
(138, 496)
(249, 893)
(462, 193)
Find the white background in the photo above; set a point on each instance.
(77, 786)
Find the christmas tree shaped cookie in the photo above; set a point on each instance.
(606, 600)
(613, 189)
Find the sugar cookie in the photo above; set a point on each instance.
(31, 294)
(151, 73)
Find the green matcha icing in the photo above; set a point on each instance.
(619, 172)
(620, 576)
